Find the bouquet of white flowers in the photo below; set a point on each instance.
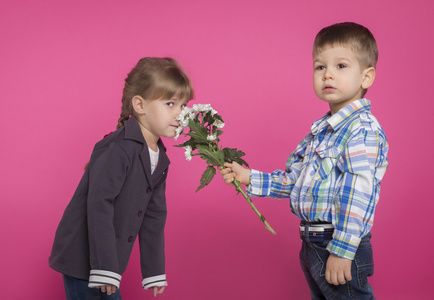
(205, 124)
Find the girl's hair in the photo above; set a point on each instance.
(349, 34)
(154, 78)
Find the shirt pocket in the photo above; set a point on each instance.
(328, 158)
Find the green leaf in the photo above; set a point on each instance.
(197, 132)
(208, 118)
(206, 178)
(232, 154)
(241, 162)
(197, 138)
(214, 158)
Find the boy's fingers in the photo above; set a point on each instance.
(341, 278)
(348, 275)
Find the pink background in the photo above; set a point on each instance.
(62, 66)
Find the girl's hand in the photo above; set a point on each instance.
(108, 288)
(234, 170)
(157, 290)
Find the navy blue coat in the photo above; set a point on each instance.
(116, 200)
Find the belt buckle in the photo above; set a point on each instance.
(316, 232)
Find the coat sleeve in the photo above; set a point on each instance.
(151, 238)
(107, 175)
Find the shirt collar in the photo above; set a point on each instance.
(342, 116)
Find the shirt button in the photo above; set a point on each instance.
(130, 239)
(139, 214)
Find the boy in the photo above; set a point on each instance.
(333, 176)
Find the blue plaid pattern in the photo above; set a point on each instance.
(333, 175)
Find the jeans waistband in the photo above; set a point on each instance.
(316, 231)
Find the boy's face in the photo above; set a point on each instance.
(337, 76)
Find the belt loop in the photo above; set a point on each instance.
(306, 232)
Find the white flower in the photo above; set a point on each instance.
(178, 132)
(211, 137)
(202, 107)
(218, 124)
(185, 111)
(188, 151)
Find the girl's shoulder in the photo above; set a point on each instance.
(118, 139)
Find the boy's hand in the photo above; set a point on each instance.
(338, 270)
(157, 290)
(108, 288)
(234, 170)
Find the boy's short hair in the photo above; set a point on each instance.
(349, 34)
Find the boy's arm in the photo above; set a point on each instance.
(278, 184)
(363, 164)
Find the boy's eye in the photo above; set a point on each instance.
(319, 68)
(341, 66)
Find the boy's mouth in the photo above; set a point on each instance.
(328, 88)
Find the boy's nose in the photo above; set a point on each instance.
(327, 75)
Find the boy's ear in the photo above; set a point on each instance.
(368, 77)
(138, 104)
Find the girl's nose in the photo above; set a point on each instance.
(177, 112)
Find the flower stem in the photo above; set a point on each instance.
(261, 217)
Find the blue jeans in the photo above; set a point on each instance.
(77, 289)
(313, 260)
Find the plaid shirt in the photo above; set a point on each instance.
(333, 175)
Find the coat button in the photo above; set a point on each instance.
(148, 190)
(139, 214)
(130, 239)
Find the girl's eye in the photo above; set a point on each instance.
(341, 66)
(170, 104)
(183, 106)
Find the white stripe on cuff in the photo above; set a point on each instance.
(159, 280)
(101, 277)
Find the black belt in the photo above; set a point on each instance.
(316, 231)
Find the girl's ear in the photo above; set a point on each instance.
(368, 77)
(138, 104)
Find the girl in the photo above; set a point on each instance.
(122, 192)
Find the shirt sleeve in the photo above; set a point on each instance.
(278, 184)
(363, 164)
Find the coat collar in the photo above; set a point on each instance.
(133, 132)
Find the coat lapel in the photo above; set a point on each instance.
(163, 160)
(133, 132)
(146, 163)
